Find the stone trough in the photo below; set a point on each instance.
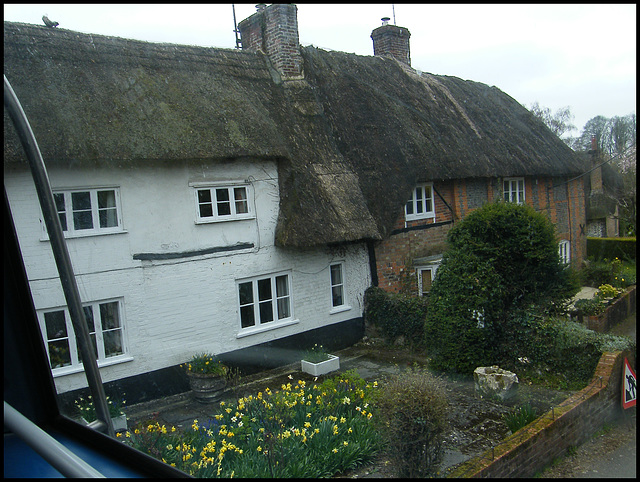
(496, 382)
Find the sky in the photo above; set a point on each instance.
(580, 56)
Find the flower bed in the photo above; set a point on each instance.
(298, 431)
(614, 313)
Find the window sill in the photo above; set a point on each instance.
(59, 372)
(225, 220)
(87, 235)
(267, 327)
(413, 217)
(339, 309)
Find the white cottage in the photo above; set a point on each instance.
(166, 165)
(241, 201)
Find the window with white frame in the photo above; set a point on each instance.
(86, 212)
(264, 300)
(513, 189)
(337, 285)
(223, 203)
(564, 251)
(421, 205)
(426, 275)
(106, 331)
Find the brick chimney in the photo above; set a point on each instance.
(391, 40)
(273, 29)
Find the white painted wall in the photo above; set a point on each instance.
(173, 308)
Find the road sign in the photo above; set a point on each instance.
(628, 385)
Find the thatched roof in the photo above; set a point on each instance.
(350, 141)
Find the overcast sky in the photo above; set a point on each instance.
(581, 56)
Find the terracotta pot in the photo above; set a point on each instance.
(206, 388)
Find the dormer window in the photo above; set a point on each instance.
(421, 205)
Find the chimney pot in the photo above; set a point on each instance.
(385, 20)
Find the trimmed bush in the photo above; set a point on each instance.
(503, 258)
(610, 248)
(412, 415)
(396, 315)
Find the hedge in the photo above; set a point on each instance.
(611, 248)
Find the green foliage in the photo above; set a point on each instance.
(610, 248)
(86, 409)
(503, 258)
(396, 315)
(616, 273)
(412, 415)
(315, 354)
(520, 417)
(205, 364)
(298, 431)
(590, 307)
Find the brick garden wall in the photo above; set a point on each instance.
(614, 313)
(573, 422)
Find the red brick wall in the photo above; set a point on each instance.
(571, 423)
(563, 203)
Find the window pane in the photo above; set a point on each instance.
(88, 315)
(246, 316)
(409, 207)
(59, 354)
(282, 292)
(95, 347)
(109, 315)
(60, 207)
(426, 280)
(206, 210)
(336, 274)
(81, 203)
(204, 196)
(108, 213)
(264, 289)
(242, 206)
(337, 295)
(223, 203)
(266, 311)
(282, 285)
(419, 197)
(55, 325)
(428, 196)
(245, 291)
(113, 343)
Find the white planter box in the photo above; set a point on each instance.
(315, 369)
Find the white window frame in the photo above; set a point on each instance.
(67, 215)
(511, 189)
(255, 304)
(102, 359)
(420, 270)
(231, 189)
(420, 205)
(564, 251)
(340, 285)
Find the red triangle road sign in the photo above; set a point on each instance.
(628, 385)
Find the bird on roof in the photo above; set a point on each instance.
(49, 23)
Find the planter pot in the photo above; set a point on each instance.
(206, 388)
(320, 368)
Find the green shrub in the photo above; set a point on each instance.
(502, 258)
(609, 248)
(396, 315)
(590, 307)
(412, 415)
(520, 417)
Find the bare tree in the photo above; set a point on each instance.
(559, 123)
